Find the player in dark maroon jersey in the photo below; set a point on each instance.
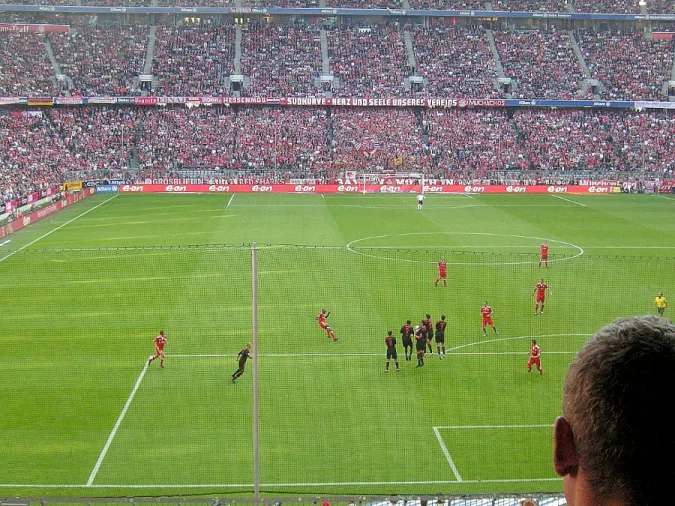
(486, 312)
(442, 272)
(440, 336)
(242, 357)
(160, 342)
(407, 333)
(420, 343)
(429, 325)
(544, 254)
(540, 290)
(390, 341)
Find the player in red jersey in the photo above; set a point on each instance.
(321, 318)
(540, 290)
(442, 272)
(486, 311)
(535, 357)
(544, 254)
(159, 341)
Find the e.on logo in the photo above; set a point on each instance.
(516, 189)
(219, 188)
(598, 189)
(304, 188)
(390, 189)
(474, 189)
(347, 189)
(557, 189)
(432, 189)
(261, 188)
(132, 188)
(176, 188)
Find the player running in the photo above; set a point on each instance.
(242, 357)
(660, 303)
(390, 341)
(535, 357)
(407, 333)
(420, 201)
(440, 336)
(421, 343)
(486, 312)
(442, 272)
(159, 341)
(321, 318)
(544, 254)
(540, 290)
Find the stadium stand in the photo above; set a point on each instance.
(543, 63)
(455, 62)
(607, 6)
(369, 62)
(281, 60)
(24, 66)
(628, 65)
(101, 61)
(193, 60)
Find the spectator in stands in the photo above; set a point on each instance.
(615, 442)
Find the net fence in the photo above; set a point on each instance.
(85, 414)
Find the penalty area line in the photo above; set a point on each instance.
(57, 228)
(94, 472)
(229, 201)
(568, 200)
(448, 457)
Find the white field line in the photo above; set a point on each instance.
(92, 476)
(474, 427)
(664, 197)
(285, 485)
(364, 355)
(57, 228)
(229, 201)
(467, 195)
(568, 200)
(448, 457)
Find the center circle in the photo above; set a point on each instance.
(353, 248)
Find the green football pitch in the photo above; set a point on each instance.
(86, 291)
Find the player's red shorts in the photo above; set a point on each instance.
(533, 361)
(544, 256)
(541, 298)
(323, 325)
(443, 274)
(488, 321)
(160, 351)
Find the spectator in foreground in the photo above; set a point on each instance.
(615, 442)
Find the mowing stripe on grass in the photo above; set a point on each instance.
(353, 355)
(92, 476)
(568, 200)
(448, 457)
(57, 228)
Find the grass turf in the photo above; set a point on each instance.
(82, 302)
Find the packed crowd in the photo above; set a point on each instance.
(101, 61)
(281, 60)
(255, 140)
(455, 62)
(37, 148)
(532, 5)
(608, 6)
(542, 63)
(369, 62)
(480, 141)
(193, 60)
(25, 68)
(628, 65)
(377, 139)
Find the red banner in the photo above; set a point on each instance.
(33, 28)
(359, 188)
(31, 218)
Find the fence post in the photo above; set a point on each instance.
(256, 439)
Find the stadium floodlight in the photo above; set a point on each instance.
(642, 3)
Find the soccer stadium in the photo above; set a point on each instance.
(336, 252)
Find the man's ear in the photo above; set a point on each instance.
(564, 450)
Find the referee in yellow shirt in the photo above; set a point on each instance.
(660, 303)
